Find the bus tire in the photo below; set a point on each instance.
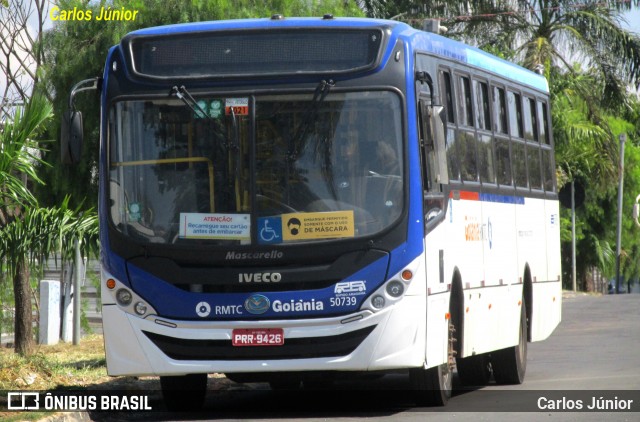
(184, 392)
(474, 370)
(433, 386)
(510, 364)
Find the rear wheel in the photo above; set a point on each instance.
(184, 392)
(433, 386)
(510, 364)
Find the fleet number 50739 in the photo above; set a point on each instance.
(343, 301)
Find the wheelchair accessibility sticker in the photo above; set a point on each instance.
(269, 230)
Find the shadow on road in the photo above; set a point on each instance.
(226, 399)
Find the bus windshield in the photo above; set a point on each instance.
(264, 169)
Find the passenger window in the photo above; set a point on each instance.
(500, 107)
(466, 108)
(515, 115)
(548, 169)
(447, 90)
(504, 162)
(486, 163)
(530, 121)
(519, 164)
(483, 114)
(544, 123)
(533, 160)
(467, 152)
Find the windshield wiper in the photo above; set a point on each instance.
(319, 95)
(235, 147)
(188, 99)
(184, 95)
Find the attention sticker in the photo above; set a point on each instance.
(215, 226)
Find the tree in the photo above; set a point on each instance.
(21, 54)
(39, 233)
(584, 147)
(585, 152)
(17, 158)
(28, 232)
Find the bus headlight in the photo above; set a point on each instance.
(124, 297)
(118, 293)
(395, 288)
(378, 302)
(140, 308)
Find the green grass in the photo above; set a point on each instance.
(50, 367)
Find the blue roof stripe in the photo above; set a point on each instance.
(463, 53)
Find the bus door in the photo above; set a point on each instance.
(434, 180)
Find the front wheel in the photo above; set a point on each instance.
(184, 392)
(510, 364)
(433, 386)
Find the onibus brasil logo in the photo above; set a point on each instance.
(76, 401)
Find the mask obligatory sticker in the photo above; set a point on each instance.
(215, 226)
(317, 225)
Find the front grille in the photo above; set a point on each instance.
(263, 287)
(295, 348)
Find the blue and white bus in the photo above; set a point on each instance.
(293, 199)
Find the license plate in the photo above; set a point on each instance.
(257, 337)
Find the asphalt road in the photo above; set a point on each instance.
(594, 354)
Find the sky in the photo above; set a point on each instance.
(633, 21)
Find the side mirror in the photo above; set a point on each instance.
(71, 134)
(436, 114)
(71, 137)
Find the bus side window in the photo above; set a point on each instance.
(486, 162)
(500, 110)
(503, 162)
(483, 112)
(515, 115)
(448, 97)
(465, 106)
(548, 169)
(519, 164)
(544, 123)
(466, 137)
(533, 162)
(530, 120)
(448, 94)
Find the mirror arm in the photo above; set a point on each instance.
(85, 85)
